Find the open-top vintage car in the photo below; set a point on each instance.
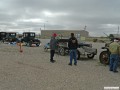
(87, 50)
(83, 49)
(104, 56)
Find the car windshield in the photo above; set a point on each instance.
(32, 34)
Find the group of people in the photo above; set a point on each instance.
(72, 45)
(114, 49)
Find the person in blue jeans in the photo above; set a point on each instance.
(114, 49)
(114, 58)
(73, 45)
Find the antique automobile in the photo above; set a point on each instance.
(62, 47)
(83, 49)
(86, 49)
(8, 36)
(105, 54)
(2, 36)
(29, 39)
(11, 36)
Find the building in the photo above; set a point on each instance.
(116, 35)
(64, 33)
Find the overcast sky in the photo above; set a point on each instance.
(100, 16)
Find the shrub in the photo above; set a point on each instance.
(95, 40)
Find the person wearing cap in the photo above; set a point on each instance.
(73, 45)
(114, 49)
(53, 46)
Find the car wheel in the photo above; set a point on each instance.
(61, 51)
(104, 57)
(37, 44)
(90, 56)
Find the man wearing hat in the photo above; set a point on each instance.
(114, 49)
(53, 46)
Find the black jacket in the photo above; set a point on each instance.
(73, 43)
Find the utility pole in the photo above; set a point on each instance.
(44, 26)
(118, 31)
(40, 32)
(85, 27)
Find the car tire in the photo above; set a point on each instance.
(37, 44)
(104, 57)
(90, 56)
(61, 51)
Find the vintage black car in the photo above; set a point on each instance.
(2, 35)
(8, 36)
(29, 39)
(11, 36)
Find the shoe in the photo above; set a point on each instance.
(110, 70)
(75, 64)
(52, 61)
(115, 71)
(70, 64)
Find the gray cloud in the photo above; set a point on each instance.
(98, 15)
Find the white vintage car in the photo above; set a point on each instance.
(83, 49)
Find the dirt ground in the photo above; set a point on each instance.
(32, 70)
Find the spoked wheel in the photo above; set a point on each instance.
(90, 56)
(29, 44)
(62, 51)
(104, 57)
(37, 44)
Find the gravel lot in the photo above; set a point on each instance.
(31, 70)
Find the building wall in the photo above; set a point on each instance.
(116, 35)
(64, 33)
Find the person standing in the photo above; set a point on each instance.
(114, 49)
(53, 46)
(73, 45)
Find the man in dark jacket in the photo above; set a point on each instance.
(53, 46)
(73, 45)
